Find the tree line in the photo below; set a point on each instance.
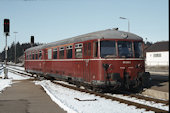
(20, 48)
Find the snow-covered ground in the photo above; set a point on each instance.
(7, 82)
(68, 98)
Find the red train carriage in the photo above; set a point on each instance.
(103, 59)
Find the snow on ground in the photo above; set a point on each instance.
(17, 67)
(4, 83)
(7, 82)
(148, 103)
(66, 99)
(13, 76)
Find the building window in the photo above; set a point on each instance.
(69, 51)
(55, 53)
(78, 50)
(49, 53)
(61, 55)
(157, 55)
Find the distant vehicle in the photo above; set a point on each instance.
(107, 59)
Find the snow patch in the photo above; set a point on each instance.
(65, 98)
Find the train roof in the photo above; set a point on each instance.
(104, 34)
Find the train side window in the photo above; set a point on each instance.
(36, 55)
(54, 53)
(85, 49)
(69, 51)
(78, 50)
(45, 54)
(30, 55)
(49, 53)
(95, 49)
(27, 56)
(61, 55)
(89, 49)
(33, 57)
(40, 55)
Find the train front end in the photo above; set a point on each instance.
(122, 64)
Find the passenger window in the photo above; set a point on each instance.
(87, 49)
(49, 53)
(30, 56)
(95, 49)
(61, 55)
(27, 56)
(36, 55)
(55, 53)
(33, 55)
(40, 55)
(69, 51)
(78, 50)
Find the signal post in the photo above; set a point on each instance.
(6, 31)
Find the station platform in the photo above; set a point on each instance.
(26, 97)
(159, 84)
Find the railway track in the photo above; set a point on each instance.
(138, 105)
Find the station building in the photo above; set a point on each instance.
(158, 54)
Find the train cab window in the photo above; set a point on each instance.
(138, 49)
(49, 53)
(95, 49)
(69, 51)
(108, 49)
(54, 53)
(61, 55)
(40, 55)
(78, 50)
(125, 49)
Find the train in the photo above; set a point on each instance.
(106, 59)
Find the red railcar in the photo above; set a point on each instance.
(102, 59)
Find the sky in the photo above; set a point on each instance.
(53, 20)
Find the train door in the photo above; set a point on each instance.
(87, 55)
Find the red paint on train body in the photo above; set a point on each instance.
(98, 62)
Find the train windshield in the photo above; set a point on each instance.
(108, 49)
(138, 49)
(125, 49)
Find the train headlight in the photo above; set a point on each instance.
(138, 66)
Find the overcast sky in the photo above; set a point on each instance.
(52, 20)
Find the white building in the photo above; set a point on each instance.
(158, 54)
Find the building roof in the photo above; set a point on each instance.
(104, 34)
(158, 46)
